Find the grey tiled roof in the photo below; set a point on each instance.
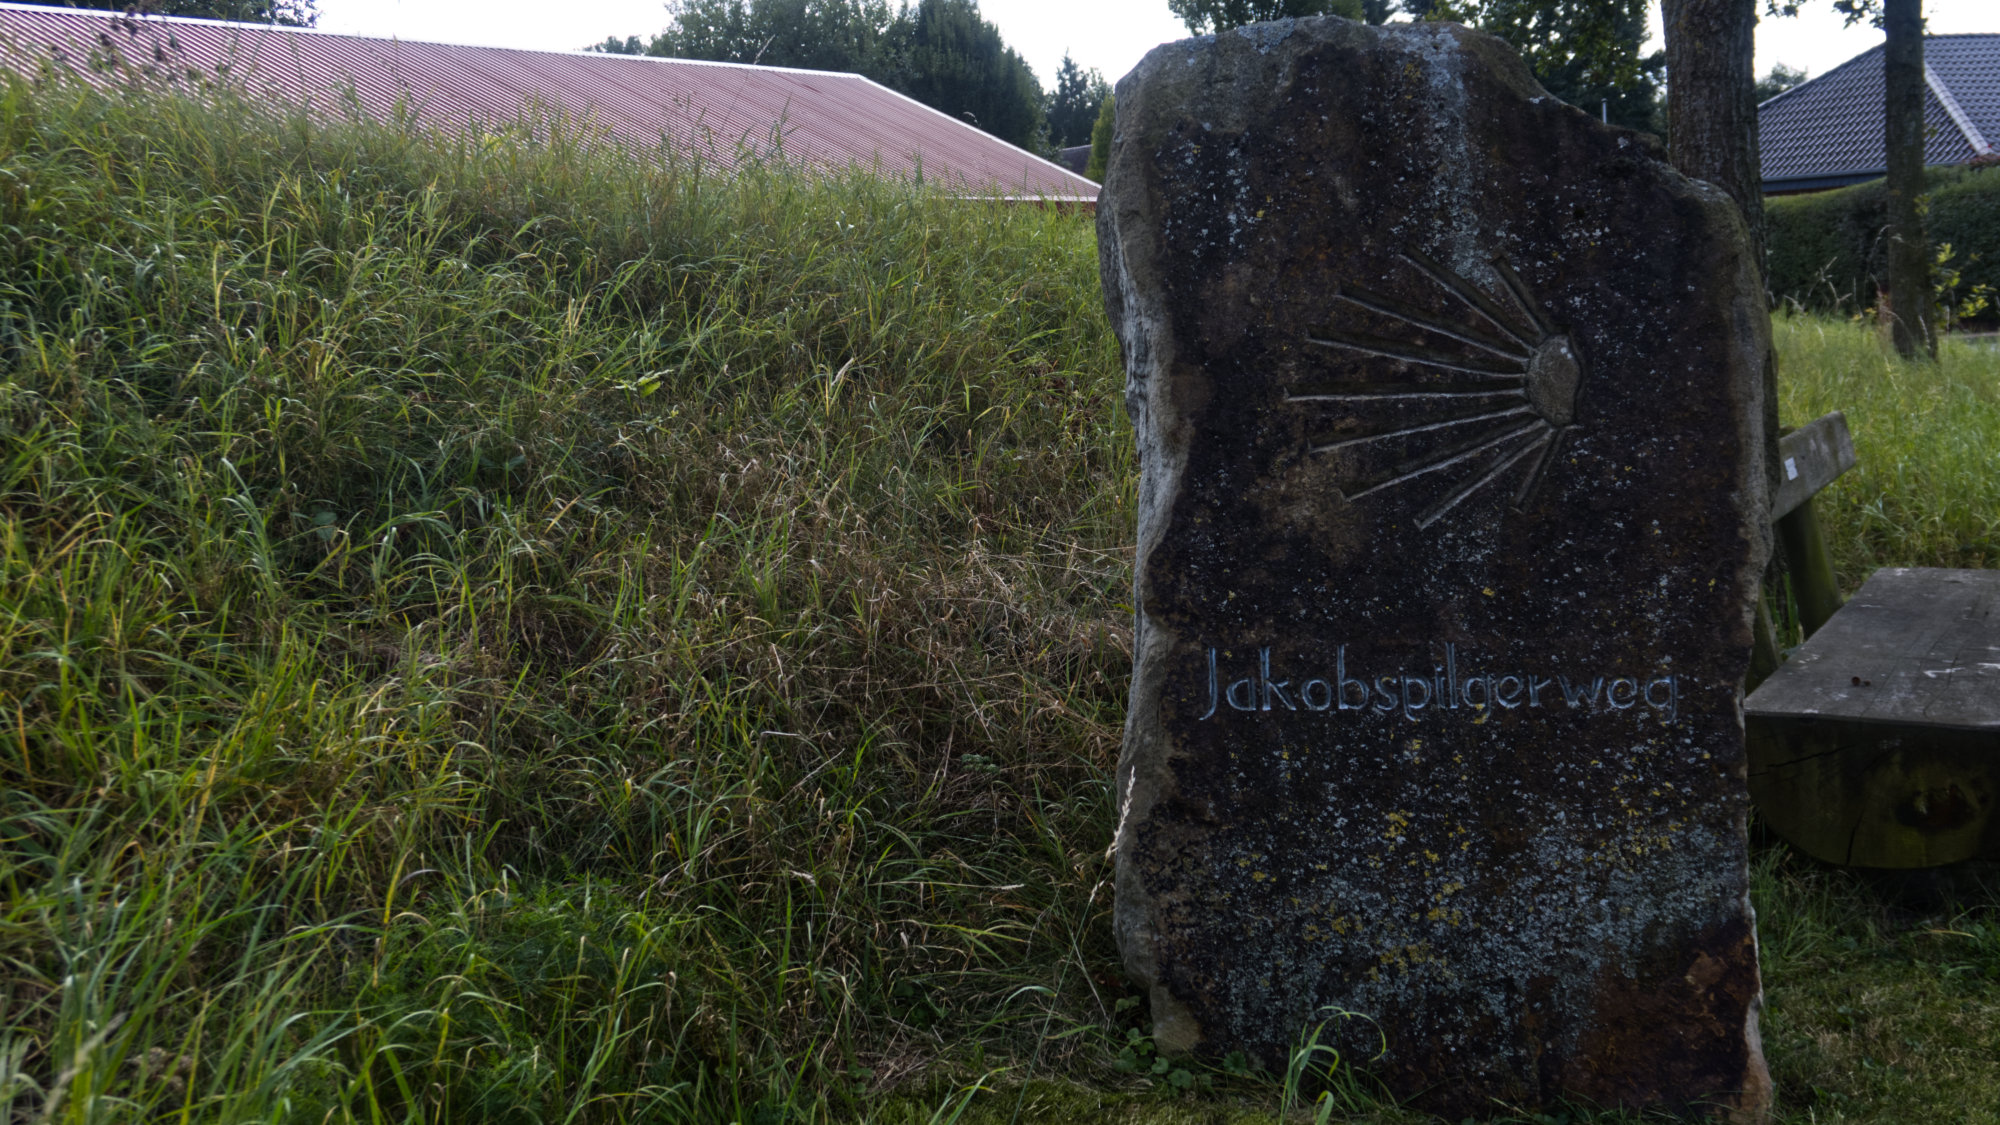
(1969, 65)
(1828, 131)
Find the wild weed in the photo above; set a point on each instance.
(514, 626)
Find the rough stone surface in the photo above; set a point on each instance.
(1451, 515)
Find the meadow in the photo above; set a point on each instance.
(515, 628)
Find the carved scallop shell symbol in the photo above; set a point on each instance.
(1485, 406)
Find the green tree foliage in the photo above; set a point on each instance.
(1780, 79)
(1205, 16)
(940, 52)
(612, 45)
(290, 13)
(1586, 52)
(714, 30)
(1854, 10)
(945, 55)
(1100, 139)
(844, 35)
(1073, 107)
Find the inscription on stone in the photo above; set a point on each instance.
(1445, 688)
(1450, 521)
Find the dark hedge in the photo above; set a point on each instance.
(1827, 248)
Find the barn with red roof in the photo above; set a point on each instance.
(718, 112)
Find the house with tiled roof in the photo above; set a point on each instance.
(1827, 133)
(720, 113)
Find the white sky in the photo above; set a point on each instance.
(1110, 35)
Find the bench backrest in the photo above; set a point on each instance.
(1812, 456)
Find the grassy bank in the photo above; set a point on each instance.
(529, 631)
(519, 630)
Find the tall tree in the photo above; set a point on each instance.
(1780, 79)
(843, 35)
(1206, 16)
(612, 45)
(1073, 105)
(945, 55)
(288, 13)
(1712, 101)
(829, 35)
(1100, 138)
(1712, 136)
(1586, 52)
(1907, 299)
(713, 30)
(940, 52)
(1455, 11)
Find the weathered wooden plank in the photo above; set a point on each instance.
(1812, 456)
(1915, 646)
(1878, 743)
(1877, 794)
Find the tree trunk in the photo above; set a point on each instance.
(1907, 302)
(1712, 101)
(1712, 135)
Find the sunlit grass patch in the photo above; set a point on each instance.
(1927, 436)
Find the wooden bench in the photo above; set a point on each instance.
(1877, 743)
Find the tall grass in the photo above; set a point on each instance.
(1926, 490)
(515, 627)
(518, 628)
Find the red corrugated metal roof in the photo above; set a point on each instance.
(714, 109)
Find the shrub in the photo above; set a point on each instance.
(1827, 248)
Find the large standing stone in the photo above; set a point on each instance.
(1451, 517)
